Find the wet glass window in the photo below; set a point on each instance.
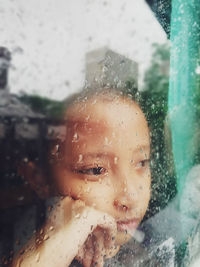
(99, 133)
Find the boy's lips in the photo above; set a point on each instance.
(127, 225)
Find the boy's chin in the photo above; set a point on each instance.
(121, 238)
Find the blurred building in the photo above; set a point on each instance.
(24, 135)
(106, 68)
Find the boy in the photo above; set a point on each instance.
(104, 179)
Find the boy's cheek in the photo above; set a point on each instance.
(68, 185)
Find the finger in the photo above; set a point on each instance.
(89, 252)
(79, 257)
(107, 223)
(109, 240)
(99, 249)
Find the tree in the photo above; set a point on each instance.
(50, 108)
(154, 99)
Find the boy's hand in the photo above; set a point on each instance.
(95, 230)
(73, 230)
(96, 248)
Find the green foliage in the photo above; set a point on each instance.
(50, 108)
(157, 76)
(153, 100)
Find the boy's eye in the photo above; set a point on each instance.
(92, 171)
(142, 164)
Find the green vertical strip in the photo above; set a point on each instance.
(185, 33)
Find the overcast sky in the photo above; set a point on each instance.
(49, 39)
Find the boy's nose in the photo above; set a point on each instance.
(126, 198)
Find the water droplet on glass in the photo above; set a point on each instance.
(87, 118)
(55, 150)
(18, 50)
(50, 208)
(45, 237)
(106, 140)
(20, 198)
(77, 216)
(197, 70)
(87, 190)
(75, 138)
(85, 216)
(80, 158)
(115, 160)
(37, 257)
(25, 159)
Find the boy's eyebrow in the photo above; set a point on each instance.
(141, 149)
(99, 155)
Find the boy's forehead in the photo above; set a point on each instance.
(86, 126)
(104, 113)
(94, 124)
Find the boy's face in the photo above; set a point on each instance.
(106, 162)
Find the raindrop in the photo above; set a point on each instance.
(55, 150)
(115, 160)
(26, 160)
(45, 237)
(51, 228)
(88, 190)
(77, 216)
(80, 158)
(37, 257)
(67, 83)
(87, 118)
(104, 69)
(107, 142)
(18, 50)
(94, 102)
(21, 198)
(50, 208)
(197, 70)
(75, 138)
(21, 252)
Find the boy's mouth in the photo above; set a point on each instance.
(127, 225)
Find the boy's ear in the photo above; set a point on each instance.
(35, 178)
